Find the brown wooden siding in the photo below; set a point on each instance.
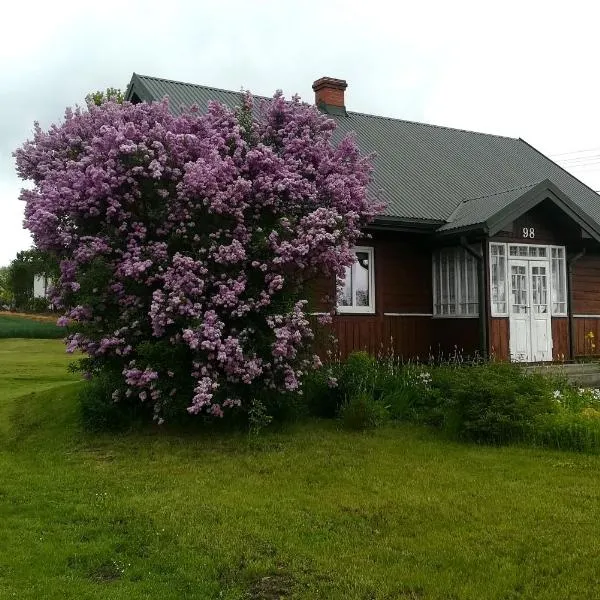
(499, 338)
(403, 275)
(408, 337)
(402, 285)
(585, 345)
(455, 336)
(560, 339)
(586, 285)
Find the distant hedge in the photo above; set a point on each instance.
(21, 327)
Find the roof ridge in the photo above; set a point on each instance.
(519, 187)
(464, 201)
(350, 112)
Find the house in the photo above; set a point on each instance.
(486, 244)
(41, 283)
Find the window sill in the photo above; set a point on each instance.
(355, 311)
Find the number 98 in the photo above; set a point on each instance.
(529, 232)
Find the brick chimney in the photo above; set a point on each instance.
(329, 95)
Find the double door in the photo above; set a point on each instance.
(529, 310)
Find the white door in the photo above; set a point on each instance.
(530, 322)
(541, 322)
(520, 328)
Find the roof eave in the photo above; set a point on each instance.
(481, 228)
(405, 224)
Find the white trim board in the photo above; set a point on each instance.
(395, 314)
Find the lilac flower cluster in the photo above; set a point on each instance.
(197, 233)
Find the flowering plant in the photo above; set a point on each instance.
(186, 241)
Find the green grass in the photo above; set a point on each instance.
(310, 512)
(21, 327)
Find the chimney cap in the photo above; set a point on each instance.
(329, 82)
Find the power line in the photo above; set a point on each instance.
(576, 158)
(575, 152)
(581, 164)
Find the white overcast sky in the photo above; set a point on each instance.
(525, 69)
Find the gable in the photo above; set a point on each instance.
(498, 212)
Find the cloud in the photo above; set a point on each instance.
(516, 68)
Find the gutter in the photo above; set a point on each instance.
(570, 262)
(481, 288)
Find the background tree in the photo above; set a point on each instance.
(186, 242)
(5, 291)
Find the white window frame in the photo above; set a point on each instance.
(494, 312)
(548, 257)
(564, 282)
(461, 259)
(363, 310)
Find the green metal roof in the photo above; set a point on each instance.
(491, 213)
(425, 172)
(476, 211)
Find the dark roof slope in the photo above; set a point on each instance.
(424, 171)
(478, 210)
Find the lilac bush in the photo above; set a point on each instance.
(187, 241)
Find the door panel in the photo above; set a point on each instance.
(541, 323)
(520, 327)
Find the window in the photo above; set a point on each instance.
(455, 289)
(559, 281)
(523, 251)
(357, 291)
(498, 279)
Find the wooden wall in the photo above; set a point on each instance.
(499, 338)
(586, 345)
(560, 339)
(586, 304)
(402, 285)
(586, 285)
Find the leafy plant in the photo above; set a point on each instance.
(199, 234)
(362, 412)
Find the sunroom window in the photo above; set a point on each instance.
(357, 291)
(559, 281)
(499, 284)
(498, 279)
(455, 289)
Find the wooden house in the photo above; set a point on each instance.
(486, 244)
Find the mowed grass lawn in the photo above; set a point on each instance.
(22, 325)
(307, 512)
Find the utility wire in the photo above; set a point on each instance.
(575, 152)
(578, 158)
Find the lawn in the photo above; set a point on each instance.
(22, 325)
(308, 512)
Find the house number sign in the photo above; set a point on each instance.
(529, 232)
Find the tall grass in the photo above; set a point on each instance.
(21, 327)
